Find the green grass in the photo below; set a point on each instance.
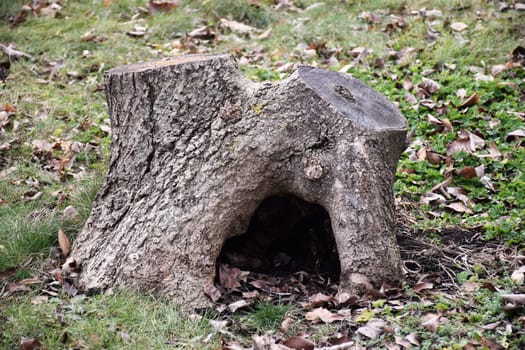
(264, 317)
(67, 109)
(125, 320)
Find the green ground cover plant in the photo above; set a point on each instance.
(453, 68)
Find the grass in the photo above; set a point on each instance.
(51, 104)
(124, 320)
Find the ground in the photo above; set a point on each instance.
(453, 68)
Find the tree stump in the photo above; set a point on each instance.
(196, 148)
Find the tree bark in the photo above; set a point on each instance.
(197, 147)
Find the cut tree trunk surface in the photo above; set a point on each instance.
(197, 149)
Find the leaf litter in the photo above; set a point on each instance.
(433, 268)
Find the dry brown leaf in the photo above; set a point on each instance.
(237, 27)
(285, 325)
(266, 34)
(204, 33)
(63, 242)
(30, 344)
(458, 26)
(13, 287)
(471, 101)
(239, 304)
(518, 276)
(431, 197)
(401, 341)
(229, 276)
(461, 93)
(324, 315)
(42, 145)
(429, 86)
(299, 343)
(250, 295)
(70, 212)
(459, 207)
(468, 172)
(408, 84)
(420, 286)
(515, 135)
(319, 299)
(491, 326)
(162, 6)
(494, 152)
(466, 142)
(212, 291)
(497, 69)
(414, 339)
(370, 332)
(431, 322)
(373, 328)
(461, 194)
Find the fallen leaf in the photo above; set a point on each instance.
(323, 315)
(483, 77)
(414, 339)
(13, 54)
(373, 329)
(461, 93)
(466, 142)
(468, 172)
(401, 341)
(285, 325)
(471, 101)
(204, 33)
(420, 286)
(518, 276)
(42, 145)
(299, 343)
(458, 26)
(29, 344)
(162, 6)
(63, 242)
(15, 287)
(515, 135)
(369, 332)
(250, 295)
(494, 152)
(407, 84)
(237, 27)
(461, 194)
(70, 212)
(239, 304)
(428, 86)
(229, 276)
(431, 322)
(7, 273)
(266, 34)
(497, 69)
(319, 299)
(433, 14)
(491, 326)
(459, 207)
(213, 292)
(218, 325)
(430, 197)
(39, 299)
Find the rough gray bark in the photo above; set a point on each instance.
(197, 147)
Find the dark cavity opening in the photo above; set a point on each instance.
(286, 235)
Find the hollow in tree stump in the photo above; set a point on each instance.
(197, 148)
